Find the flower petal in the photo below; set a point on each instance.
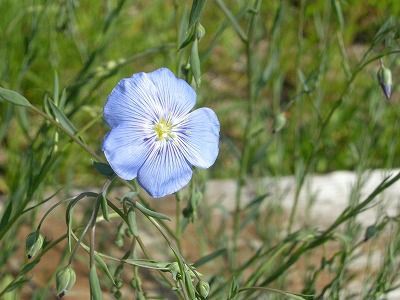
(177, 97)
(133, 99)
(126, 149)
(198, 136)
(165, 170)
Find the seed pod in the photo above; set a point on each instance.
(203, 288)
(33, 244)
(385, 80)
(65, 280)
(175, 271)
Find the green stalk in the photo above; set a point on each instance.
(244, 162)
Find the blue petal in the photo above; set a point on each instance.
(126, 150)
(198, 136)
(134, 99)
(177, 97)
(165, 171)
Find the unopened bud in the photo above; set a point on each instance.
(33, 244)
(279, 122)
(200, 31)
(111, 64)
(65, 280)
(385, 81)
(175, 270)
(370, 232)
(203, 288)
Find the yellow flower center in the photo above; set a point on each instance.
(163, 130)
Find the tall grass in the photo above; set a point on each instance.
(294, 85)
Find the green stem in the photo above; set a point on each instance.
(327, 234)
(17, 216)
(50, 210)
(316, 146)
(178, 220)
(244, 162)
(89, 224)
(139, 240)
(72, 136)
(37, 258)
(233, 21)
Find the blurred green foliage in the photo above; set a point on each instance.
(306, 49)
(317, 107)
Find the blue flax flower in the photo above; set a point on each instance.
(154, 136)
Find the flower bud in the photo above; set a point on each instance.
(279, 122)
(385, 81)
(33, 244)
(111, 64)
(203, 288)
(370, 232)
(175, 270)
(65, 280)
(200, 31)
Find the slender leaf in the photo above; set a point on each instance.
(14, 97)
(209, 257)
(151, 213)
(103, 266)
(6, 216)
(62, 118)
(95, 289)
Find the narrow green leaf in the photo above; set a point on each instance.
(56, 85)
(149, 264)
(289, 295)
(189, 284)
(62, 118)
(234, 289)
(104, 207)
(95, 290)
(151, 213)
(339, 13)
(195, 12)
(63, 98)
(27, 267)
(103, 266)
(6, 216)
(14, 97)
(15, 284)
(103, 200)
(183, 25)
(190, 37)
(209, 257)
(132, 222)
(195, 62)
(256, 201)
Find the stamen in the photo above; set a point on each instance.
(163, 130)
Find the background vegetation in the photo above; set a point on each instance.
(293, 83)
